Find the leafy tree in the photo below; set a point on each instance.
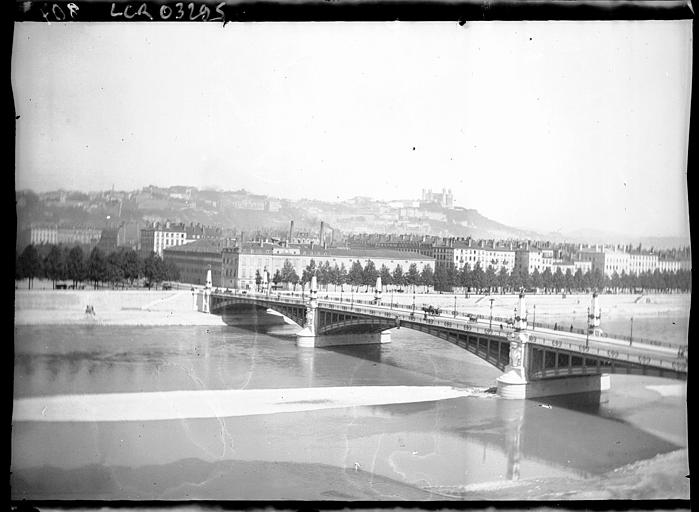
(96, 267)
(558, 279)
(277, 277)
(258, 278)
(412, 278)
(398, 277)
(478, 277)
(131, 265)
(172, 271)
(288, 272)
(294, 277)
(75, 265)
(427, 276)
(451, 277)
(503, 278)
(516, 279)
(356, 274)
(342, 275)
(324, 274)
(369, 274)
(465, 277)
(597, 280)
(153, 269)
(386, 277)
(309, 272)
(490, 278)
(568, 280)
(547, 279)
(526, 279)
(30, 264)
(578, 280)
(536, 279)
(55, 264)
(115, 268)
(440, 278)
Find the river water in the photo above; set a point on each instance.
(629, 442)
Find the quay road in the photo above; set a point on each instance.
(655, 353)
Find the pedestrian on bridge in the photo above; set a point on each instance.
(555, 326)
(571, 327)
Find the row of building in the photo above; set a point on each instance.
(234, 262)
(236, 265)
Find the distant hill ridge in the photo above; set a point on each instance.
(242, 210)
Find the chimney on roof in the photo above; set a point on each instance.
(291, 229)
(322, 232)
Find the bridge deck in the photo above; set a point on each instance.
(660, 356)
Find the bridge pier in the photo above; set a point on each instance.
(515, 384)
(309, 337)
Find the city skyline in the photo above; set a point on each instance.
(519, 121)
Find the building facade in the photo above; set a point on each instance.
(38, 233)
(158, 237)
(194, 260)
(241, 264)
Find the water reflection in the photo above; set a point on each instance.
(456, 442)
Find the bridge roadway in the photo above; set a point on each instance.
(554, 353)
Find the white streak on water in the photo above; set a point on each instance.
(668, 389)
(168, 405)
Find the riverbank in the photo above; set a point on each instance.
(112, 307)
(661, 477)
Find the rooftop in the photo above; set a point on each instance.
(199, 246)
(319, 252)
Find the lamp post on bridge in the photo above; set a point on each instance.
(413, 300)
(454, 305)
(631, 337)
(491, 313)
(534, 322)
(587, 337)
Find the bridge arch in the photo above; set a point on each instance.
(296, 313)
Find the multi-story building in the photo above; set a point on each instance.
(194, 260)
(640, 262)
(78, 235)
(455, 254)
(241, 264)
(38, 233)
(583, 266)
(613, 260)
(527, 260)
(158, 237)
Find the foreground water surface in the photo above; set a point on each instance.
(473, 446)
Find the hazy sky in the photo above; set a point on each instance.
(546, 125)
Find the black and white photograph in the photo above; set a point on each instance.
(349, 260)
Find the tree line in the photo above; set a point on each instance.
(63, 263)
(479, 280)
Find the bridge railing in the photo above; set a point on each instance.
(509, 320)
(678, 364)
(466, 322)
